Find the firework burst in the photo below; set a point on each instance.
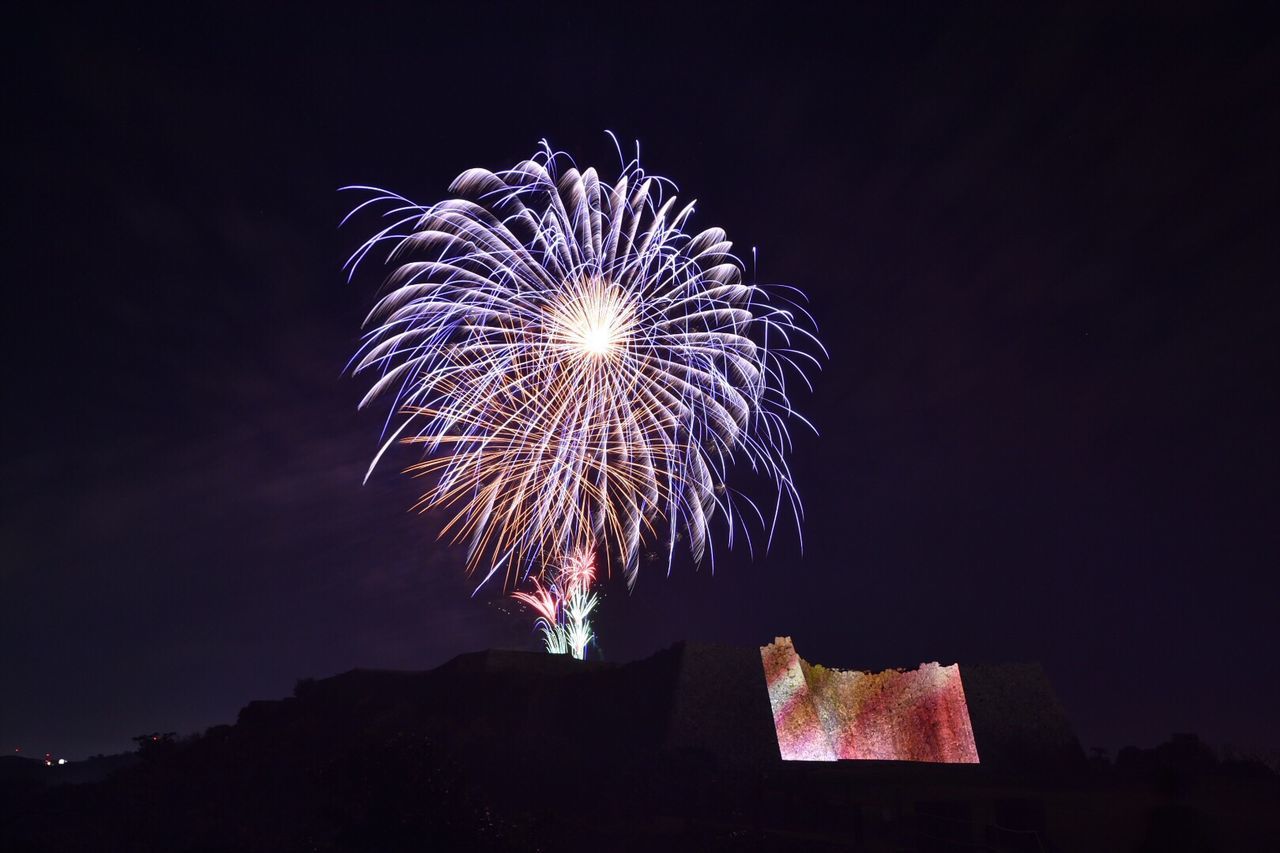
(577, 367)
(564, 604)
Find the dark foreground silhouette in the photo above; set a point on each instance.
(513, 751)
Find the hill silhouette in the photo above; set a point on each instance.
(516, 751)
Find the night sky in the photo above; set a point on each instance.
(1043, 252)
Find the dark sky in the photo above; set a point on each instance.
(1042, 248)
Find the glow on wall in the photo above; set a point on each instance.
(823, 714)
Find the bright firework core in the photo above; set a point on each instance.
(594, 319)
(597, 339)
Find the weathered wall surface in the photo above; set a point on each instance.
(719, 705)
(1018, 723)
(823, 714)
(801, 733)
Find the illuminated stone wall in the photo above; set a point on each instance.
(823, 714)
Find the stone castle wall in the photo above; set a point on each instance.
(823, 714)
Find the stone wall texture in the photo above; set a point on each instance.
(822, 714)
